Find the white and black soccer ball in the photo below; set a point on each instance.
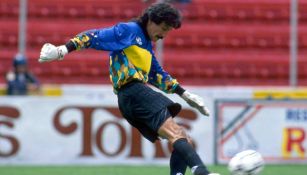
(248, 162)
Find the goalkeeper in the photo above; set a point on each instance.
(132, 65)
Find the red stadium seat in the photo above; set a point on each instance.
(238, 42)
(79, 9)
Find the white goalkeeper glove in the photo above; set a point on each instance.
(49, 52)
(196, 102)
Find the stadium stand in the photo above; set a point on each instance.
(238, 42)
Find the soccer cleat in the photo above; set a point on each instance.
(214, 174)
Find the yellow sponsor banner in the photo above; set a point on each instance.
(52, 91)
(46, 90)
(280, 94)
(2, 89)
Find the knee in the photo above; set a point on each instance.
(171, 131)
(179, 134)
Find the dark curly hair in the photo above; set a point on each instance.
(159, 13)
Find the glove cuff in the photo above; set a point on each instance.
(186, 95)
(62, 51)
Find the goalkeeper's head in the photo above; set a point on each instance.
(158, 19)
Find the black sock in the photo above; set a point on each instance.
(177, 164)
(190, 156)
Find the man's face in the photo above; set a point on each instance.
(156, 31)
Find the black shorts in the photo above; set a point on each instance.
(145, 109)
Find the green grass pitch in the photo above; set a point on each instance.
(135, 170)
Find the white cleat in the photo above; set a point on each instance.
(214, 174)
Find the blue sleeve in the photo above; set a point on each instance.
(113, 38)
(160, 78)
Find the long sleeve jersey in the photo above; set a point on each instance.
(131, 55)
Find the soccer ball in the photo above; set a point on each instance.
(248, 162)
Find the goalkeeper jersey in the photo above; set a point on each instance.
(131, 55)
